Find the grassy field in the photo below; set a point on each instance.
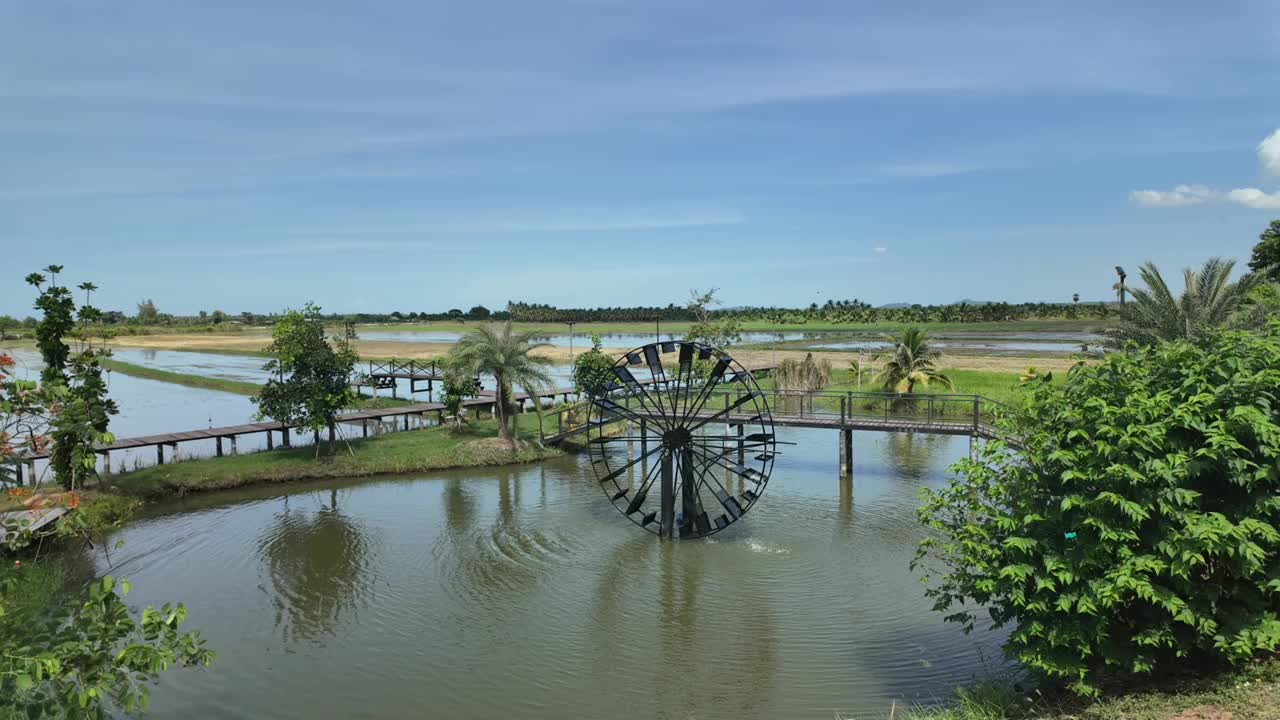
(238, 387)
(435, 448)
(1250, 693)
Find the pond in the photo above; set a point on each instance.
(521, 592)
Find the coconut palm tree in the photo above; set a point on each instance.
(909, 361)
(495, 350)
(1209, 300)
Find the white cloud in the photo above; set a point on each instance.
(881, 250)
(1255, 198)
(1269, 153)
(1184, 195)
(1180, 196)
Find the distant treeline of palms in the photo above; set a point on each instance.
(833, 311)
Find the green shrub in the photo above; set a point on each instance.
(593, 370)
(1135, 526)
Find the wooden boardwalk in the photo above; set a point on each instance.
(229, 434)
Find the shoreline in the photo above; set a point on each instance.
(398, 452)
(381, 350)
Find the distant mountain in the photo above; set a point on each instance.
(894, 306)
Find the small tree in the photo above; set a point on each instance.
(495, 350)
(479, 312)
(458, 385)
(7, 323)
(312, 382)
(1136, 525)
(718, 332)
(1265, 260)
(147, 313)
(911, 360)
(593, 370)
(80, 411)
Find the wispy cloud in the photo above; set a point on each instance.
(1180, 196)
(1187, 195)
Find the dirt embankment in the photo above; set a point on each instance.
(252, 343)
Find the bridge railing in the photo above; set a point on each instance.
(974, 413)
(412, 367)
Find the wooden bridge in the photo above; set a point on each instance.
(973, 416)
(383, 375)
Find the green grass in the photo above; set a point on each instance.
(398, 452)
(1003, 387)
(238, 387)
(1251, 693)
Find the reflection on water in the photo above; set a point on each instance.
(521, 592)
(317, 562)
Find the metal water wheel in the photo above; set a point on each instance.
(682, 440)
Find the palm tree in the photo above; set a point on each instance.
(1209, 300)
(911, 360)
(495, 350)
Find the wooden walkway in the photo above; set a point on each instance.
(229, 434)
(926, 415)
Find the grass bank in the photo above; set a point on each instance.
(435, 448)
(238, 387)
(1251, 693)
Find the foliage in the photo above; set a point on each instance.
(1136, 525)
(312, 382)
(593, 370)
(81, 653)
(1266, 254)
(831, 312)
(458, 385)
(909, 361)
(708, 329)
(7, 323)
(147, 312)
(24, 420)
(1209, 301)
(496, 350)
(73, 392)
(806, 375)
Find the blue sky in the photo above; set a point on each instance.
(418, 155)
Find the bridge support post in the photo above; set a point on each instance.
(159, 454)
(31, 472)
(284, 436)
(106, 463)
(217, 444)
(173, 452)
(406, 421)
(644, 437)
(742, 448)
(846, 452)
(271, 441)
(234, 449)
(364, 428)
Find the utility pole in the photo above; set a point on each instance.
(571, 324)
(1121, 273)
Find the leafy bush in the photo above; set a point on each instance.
(593, 370)
(1135, 526)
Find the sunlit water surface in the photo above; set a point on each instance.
(520, 592)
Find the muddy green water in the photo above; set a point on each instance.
(522, 593)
